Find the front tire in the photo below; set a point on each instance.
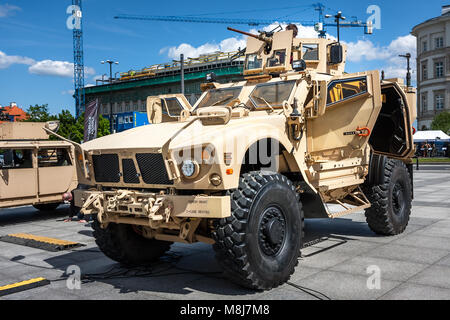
(259, 244)
(122, 243)
(391, 200)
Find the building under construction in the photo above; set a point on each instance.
(128, 93)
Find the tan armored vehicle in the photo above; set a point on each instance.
(33, 169)
(243, 167)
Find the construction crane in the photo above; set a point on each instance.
(319, 26)
(78, 59)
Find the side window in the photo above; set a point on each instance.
(252, 62)
(310, 51)
(53, 157)
(278, 58)
(16, 158)
(170, 106)
(339, 90)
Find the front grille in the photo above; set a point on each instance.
(152, 168)
(129, 171)
(106, 168)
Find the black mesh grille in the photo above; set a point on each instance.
(106, 168)
(152, 168)
(129, 171)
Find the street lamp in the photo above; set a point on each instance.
(408, 73)
(337, 18)
(110, 67)
(111, 127)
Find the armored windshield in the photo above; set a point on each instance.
(221, 96)
(271, 93)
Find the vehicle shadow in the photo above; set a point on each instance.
(339, 227)
(10, 216)
(188, 271)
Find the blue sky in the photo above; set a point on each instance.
(36, 46)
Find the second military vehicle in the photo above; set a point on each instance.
(33, 169)
(244, 166)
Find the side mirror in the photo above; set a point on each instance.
(336, 54)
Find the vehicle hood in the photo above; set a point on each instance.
(182, 134)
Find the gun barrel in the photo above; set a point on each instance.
(243, 32)
(261, 37)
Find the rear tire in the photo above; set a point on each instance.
(259, 244)
(123, 244)
(46, 206)
(391, 200)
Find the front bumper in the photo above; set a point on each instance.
(154, 206)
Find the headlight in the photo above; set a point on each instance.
(189, 168)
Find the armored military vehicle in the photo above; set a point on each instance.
(241, 169)
(34, 170)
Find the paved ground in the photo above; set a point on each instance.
(414, 265)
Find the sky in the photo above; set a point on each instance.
(36, 47)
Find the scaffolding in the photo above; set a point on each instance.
(189, 63)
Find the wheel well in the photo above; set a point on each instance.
(268, 154)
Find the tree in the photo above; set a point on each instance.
(39, 113)
(442, 122)
(69, 127)
(78, 130)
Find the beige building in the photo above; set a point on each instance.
(433, 67)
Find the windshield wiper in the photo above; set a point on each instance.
(268, 104)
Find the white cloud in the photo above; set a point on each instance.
(6, 61)
(390, 62)
(52, 68)
(230, 44)
(56, 68)
(69, 92)
(8, 10)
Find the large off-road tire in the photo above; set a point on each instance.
(46, 206)
(391, 199)
(259, 244)
(124, 244)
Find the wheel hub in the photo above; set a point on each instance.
(272, 231)
(398, 198)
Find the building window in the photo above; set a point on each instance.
(439, 101)
(424, 71)
(424, 103)
(439, 42)
(424, 46)
(439, 69)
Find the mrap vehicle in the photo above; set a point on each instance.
(241, 169)
(33, 169)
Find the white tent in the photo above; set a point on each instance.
(421, 136)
